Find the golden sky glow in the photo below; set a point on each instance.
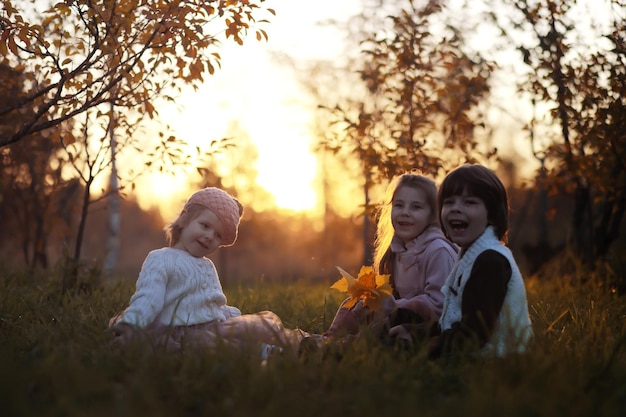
(265, 100)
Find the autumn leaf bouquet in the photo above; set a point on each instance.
(368, 287)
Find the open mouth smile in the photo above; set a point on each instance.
(457, 225)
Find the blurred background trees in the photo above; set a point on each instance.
(429, 73)
(575, 63)
(423, 85)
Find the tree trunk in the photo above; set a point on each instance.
(70, 276)
(113, 240)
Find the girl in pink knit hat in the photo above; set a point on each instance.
(179, 302)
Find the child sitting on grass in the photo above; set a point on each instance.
(485, 307)
(179, 302)
(411, 248)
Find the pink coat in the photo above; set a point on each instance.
(421, 269)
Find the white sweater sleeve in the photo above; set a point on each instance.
(149, 295)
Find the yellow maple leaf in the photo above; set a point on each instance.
(368, 286)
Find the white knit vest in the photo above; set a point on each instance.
(513, 328)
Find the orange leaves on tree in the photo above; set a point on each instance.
(103, 51)
(149, 108)
(368, 286)
(3, 42)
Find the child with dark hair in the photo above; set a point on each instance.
(485, 305)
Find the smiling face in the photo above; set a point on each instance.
(464, 218)
(202, 236)
(475, 182)
(410, 212)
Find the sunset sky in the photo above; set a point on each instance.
(264, 98)
(257, 92)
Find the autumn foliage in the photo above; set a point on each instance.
(80, 54)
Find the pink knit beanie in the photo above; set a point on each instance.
(227, 208)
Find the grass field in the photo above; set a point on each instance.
(54, 361)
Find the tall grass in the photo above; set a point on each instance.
(54, 361)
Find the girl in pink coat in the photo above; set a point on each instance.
(413, 250)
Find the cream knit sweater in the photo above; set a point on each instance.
(177, 289)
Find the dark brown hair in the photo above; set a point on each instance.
(481, 182)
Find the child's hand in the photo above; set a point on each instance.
(388, 306)
(400, 332)
(122, 334)
(121, 329)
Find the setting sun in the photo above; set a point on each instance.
(165, 192)
(289, 180)
(257, 92)
(262, 106)
(286, 167)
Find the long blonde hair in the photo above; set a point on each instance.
(384, 227)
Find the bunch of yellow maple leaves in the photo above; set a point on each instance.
(368, 286)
